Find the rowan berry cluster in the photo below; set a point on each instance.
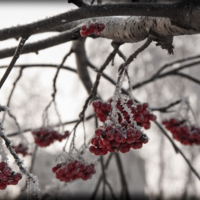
(74, 170)
(126, 132)
(44, 137)
(92, 28)
(140, 112)
(121, 138)
(21, 149)
(7, 176)
(182, 132)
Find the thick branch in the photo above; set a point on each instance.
(179, 12)
(81, 62)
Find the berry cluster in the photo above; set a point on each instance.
(73, 170)
(121, 138)
(140, 112)
(7, 176)
(44, 137)
(22, 149)
(92, 28)
(182, 132)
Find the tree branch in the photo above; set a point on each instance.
(13, 61)
(78, 47)
(177, 12)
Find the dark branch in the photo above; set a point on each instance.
(78, 3)
(173, 11)
(44, 44)
(14, 60)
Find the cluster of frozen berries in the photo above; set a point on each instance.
(44, 137)
(122, 138)
(7, 176)
(185, 134)
(92, 28)
(21, 149)
(74, 170)
(140, 112)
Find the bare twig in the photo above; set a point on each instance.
(33, 158)
(24, 66)
(57, 72)
(111, 190)
(45, 113)
(136, 53)
(101, 178)
(187, 76)
(175, 62)
(104, 178)
(13, 61)
(165, 108)
(55, 125)
(11, 93)
(125, 194)
(158, 76)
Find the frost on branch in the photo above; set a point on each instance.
(3, 151)
(33, 190)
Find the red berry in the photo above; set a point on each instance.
(7, 170)
(17, 176)
(92, 149)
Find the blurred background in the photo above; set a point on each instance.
(153, 171)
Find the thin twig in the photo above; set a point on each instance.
(11, 93)
(158, 76)
(136, 53)
(125, 194)
(111, 190)
(57, 72)
(104, 178)
(55, 125)
(165, 108)
(33, 158)
(101, 178)
(175, 62)
(13, 61)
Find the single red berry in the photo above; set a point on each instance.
(92, 149)
(83, 33)
(7, 170)
(84, 28)
(110, 135)
(17, 176)
(99, 132)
